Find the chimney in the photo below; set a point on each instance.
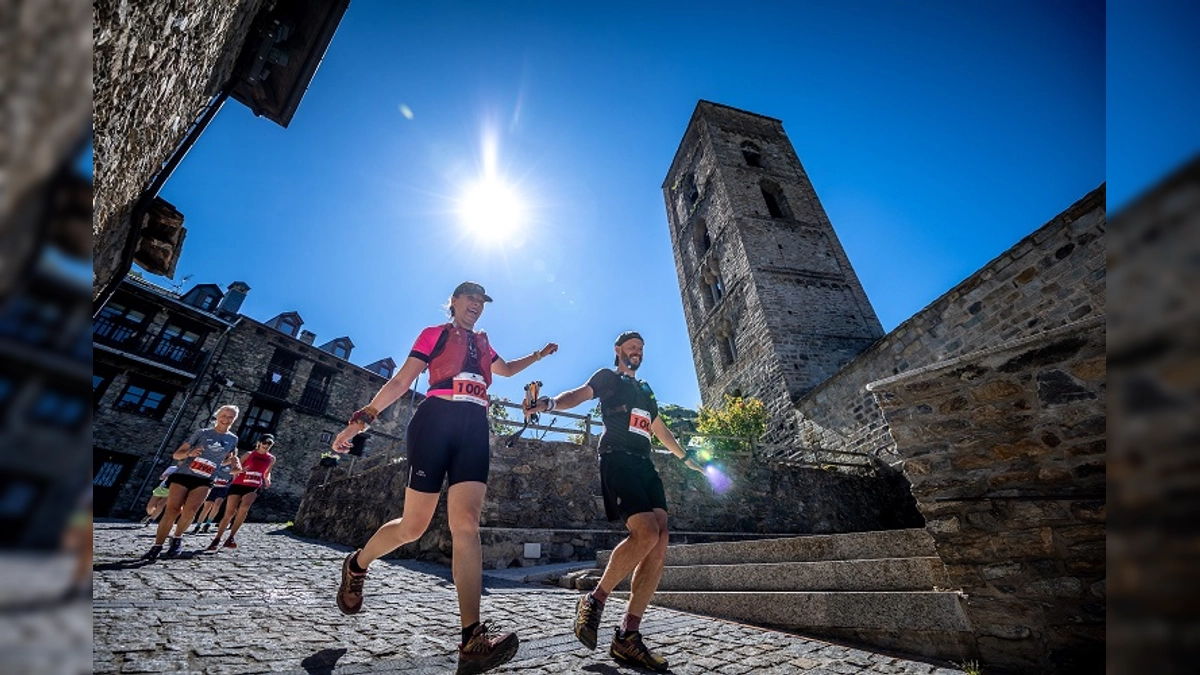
(307, 337)
(232, 302)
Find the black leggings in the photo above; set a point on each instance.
(447, 438)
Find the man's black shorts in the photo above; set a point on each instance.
(630, 485)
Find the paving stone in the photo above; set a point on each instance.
(269, 607)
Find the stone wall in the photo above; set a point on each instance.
(551, 490)
(1050, 278)
(1005, 450)
(155, 66)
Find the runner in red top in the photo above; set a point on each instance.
(254, 476)
(447, 443)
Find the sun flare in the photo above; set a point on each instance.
(490, 207)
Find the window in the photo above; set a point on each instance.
(728, 349)
(107, 475)
(178, 344)
(325, 437)
(117, 324)
(751, 154)
(716, 290)
(772, 199)
(58, 408)
(288, 326)
(146, 398)
(341, 351)
(260, 419)
(700, 238)
(207, 301)
(101, 378)
(316, 391)
(278, 378)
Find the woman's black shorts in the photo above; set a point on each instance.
(630, 485)
(447, 438)
(236, 490)
(188, 481)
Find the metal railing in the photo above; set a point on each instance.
(818, 458)
(157, 347)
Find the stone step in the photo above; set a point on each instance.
(886, 574)
(911, 543)
(927, 623)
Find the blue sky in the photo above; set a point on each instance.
(937, 135)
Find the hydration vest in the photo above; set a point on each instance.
(449, 355)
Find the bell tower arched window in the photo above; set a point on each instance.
(751, 154)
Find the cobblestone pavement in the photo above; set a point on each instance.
(269, 606)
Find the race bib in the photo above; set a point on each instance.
(252, 478)
(220, 482)
(470, 387)
(639, 422)
(202, 467)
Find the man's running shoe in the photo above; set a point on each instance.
(486, 649)
(350, 593)
(214, 546)
(153, 553)
(230, 543)
(175, 548)
(205, 528)
(630, 650)
(587, 620)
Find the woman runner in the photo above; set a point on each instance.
(447, 438)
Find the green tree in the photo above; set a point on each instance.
(578, 438)
(740, 417)
(498, 419)
(681, 421)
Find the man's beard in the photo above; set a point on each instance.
(628, 360)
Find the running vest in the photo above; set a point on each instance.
(628, 408)
(449, 358)
(253, 469)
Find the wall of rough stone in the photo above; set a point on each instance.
(1052, 277)
(1005, 450)
(553, 487)
(154, 68)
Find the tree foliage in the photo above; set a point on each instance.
(681, 421)
(578, 438)
(740, 417)
(498, 417)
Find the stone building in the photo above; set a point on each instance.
(164, 361)
(160, 73)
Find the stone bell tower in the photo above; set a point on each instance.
(772, 305)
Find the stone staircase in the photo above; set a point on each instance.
(884, 589)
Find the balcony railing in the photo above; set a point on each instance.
(275, 384)
(164, 349)
(314, 400)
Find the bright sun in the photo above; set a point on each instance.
(489, 207)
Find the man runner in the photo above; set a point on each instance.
(632, 491)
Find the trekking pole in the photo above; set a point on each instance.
(530, 402)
